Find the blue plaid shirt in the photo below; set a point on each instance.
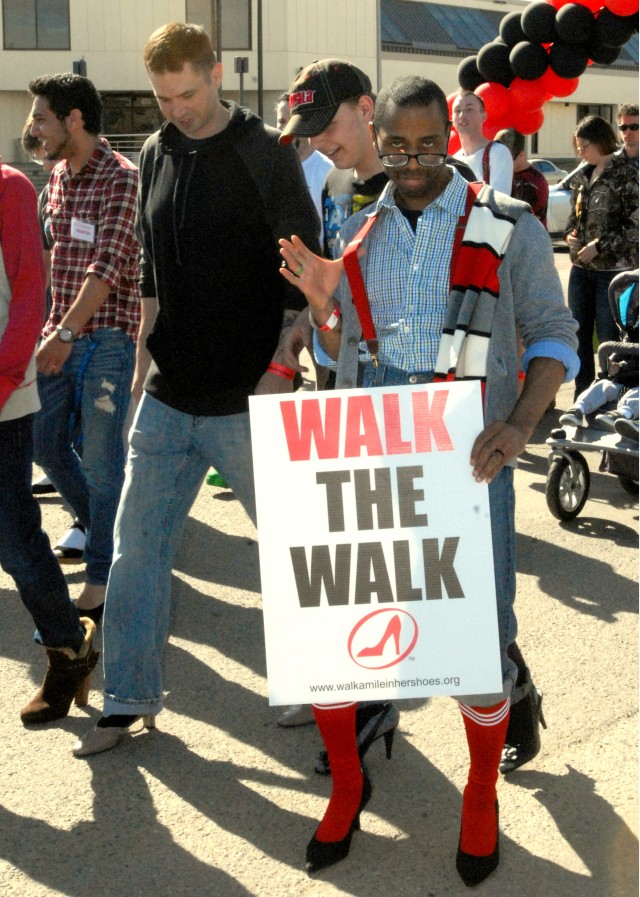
(407, 276)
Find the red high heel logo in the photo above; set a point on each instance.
(383, 638)
(392, 631)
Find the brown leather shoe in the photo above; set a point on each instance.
(68, 676)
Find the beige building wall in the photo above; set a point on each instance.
(110, 35)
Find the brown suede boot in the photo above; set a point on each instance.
(68, 676)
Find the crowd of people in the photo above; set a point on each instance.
(132, 273)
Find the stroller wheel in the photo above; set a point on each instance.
(568, 483)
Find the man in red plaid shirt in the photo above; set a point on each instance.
(86, 359)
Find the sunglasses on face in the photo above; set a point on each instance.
(628, 127)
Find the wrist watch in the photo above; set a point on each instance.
(64, 334)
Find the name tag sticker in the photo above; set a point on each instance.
(83, 230)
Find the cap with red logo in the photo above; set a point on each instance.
(316, 94)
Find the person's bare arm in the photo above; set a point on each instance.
(149, 311)
(503, 440)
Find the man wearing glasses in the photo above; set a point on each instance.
(628, 126)
(331, 102)
(329, 107)
(447, 314)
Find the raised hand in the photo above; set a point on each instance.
(316, 277)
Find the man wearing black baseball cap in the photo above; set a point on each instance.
(318, 91)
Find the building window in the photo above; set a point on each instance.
(236, 21)
(605, 112)
(36, 24)
(130, 113)
(236, 24)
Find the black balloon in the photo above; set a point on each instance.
(632, 20)
(568, 60)
(493, 63)
(468, 75)
(539, 23)
(600, 54)
(529, 61)
(511, 29)
(575, 23)
(611, 30)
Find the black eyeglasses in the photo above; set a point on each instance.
(399, 160)
(628, 127)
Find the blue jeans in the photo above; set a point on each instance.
(503, 533)
(25, 552)
(588, 296)
(91, 484)
(169, 456)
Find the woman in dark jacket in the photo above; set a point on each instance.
(602, 234)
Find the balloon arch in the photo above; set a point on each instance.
(540, 54)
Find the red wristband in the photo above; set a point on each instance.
(330, 324)
(281, 371)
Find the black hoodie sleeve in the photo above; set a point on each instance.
(142, 228)
(287, 202)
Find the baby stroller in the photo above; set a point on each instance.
(568, 479)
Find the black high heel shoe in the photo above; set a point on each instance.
(373, 721)
(522, 741)
(321, 854)
(472, 869)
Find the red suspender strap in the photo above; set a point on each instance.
(486, 163)
(358, 289)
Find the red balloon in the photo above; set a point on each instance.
(450, 101)
(593, 5)
(560, 3)
(490, 129)
(496, 99)
(557, 86)
(622, 7)
(527, 122)
(527, 95)
(454, 142)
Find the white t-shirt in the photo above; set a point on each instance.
(315, 170)
(500, 166)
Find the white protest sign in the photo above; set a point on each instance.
(375, 544)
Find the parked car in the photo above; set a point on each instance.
(559, 206)
(552, 173)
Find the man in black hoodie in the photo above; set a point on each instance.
(217, 191)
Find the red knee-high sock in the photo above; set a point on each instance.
(338, 729)
(486, 728)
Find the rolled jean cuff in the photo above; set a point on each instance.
(113, 707)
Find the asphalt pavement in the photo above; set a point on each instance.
(220, 801)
